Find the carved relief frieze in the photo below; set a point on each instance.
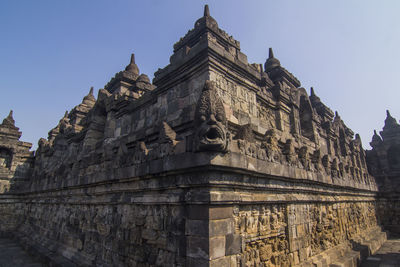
(263, 228)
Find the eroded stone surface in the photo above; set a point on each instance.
(15, 158)
(12, 254)
(217, 162)
(387, 256)
(384, 163)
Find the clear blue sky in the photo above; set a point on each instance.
(51, 52)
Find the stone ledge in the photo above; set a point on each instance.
(349, 254)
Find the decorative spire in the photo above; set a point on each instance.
(66, 114)
(376, 140)
(9, 120)
(271, 62)
(390, 122)
(89, 99)
(336, 114)
(376, 137)
(271, 53)
(132, 59)
(132, 67)
(312, 92)
(206, 11)
(206, 20)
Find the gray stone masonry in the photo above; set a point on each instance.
(16, 161)
(216, 162)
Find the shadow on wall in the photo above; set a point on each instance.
(12, 181)
(387, 255)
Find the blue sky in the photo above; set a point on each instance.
(51, 52)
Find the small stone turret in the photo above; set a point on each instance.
(7, 127)
(15, 158)
(132, 67)
(9, 120)
(390, 122)
(325, 112)
(128, 83)
(386, 152)
(206, 20)
(89, 100)
(376, 140)
(383, 162)
(271, 62)
(391, 129)
(277, 73)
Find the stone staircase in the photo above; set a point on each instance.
(349, 254)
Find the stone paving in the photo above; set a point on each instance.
(13, 255)
(387, 256)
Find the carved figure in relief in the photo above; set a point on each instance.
(210, 121)
(261, 153)
(326, 163)
(265, 252)
(316, 160)
(271, 146)
(289, 152)
(251, 224)
(267, 115)
(304, 158)
(264, 222)
(335, 168)
(5, 157)
(277, 220)
(341, 169)
(167, 141)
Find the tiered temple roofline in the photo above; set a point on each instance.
(217, 162)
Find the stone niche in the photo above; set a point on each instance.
(216, 162)
(5, 158)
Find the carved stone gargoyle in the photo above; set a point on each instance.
(210, 121)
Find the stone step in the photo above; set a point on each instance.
(387, 256)
(369, 243)
(349, 259)
(349, 254)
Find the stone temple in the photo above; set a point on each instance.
(216, 162)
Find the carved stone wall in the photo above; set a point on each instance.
(217, 162)
(16, 161)
(289, 234)
(384, 163)
(123, 235)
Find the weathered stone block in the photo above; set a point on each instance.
(216, 213)
(221, 227)
(233, 244)
(197, 227)
(198, 247)
(216, 247)
(224, 261)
